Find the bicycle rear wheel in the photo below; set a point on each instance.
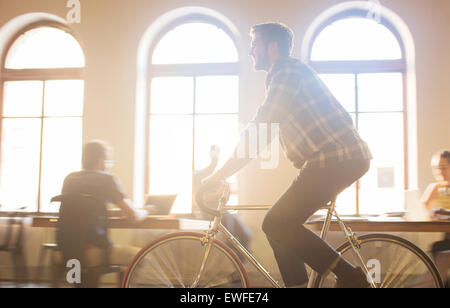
(392, 262)
(174, 261)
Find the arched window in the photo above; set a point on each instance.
(363, 63)
(194, 104)
(42, 97)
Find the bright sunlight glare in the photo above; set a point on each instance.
(195, 43)
(353, 39)
(45, 48)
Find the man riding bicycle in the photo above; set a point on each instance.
(318, 137)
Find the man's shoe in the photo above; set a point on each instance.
(357, 280)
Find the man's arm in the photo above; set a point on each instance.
(232, 166)
(280, 92)
(201, 174)
(249, 147)
(118, 197)
(127, 209)
(235, 163)
(429, 195)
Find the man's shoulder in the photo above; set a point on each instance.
(294, 67)
(86, 175)
(74, 175)
(298, 66)
(291, 71)
(95, 182)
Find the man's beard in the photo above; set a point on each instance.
(262, 62)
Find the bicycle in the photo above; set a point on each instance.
(200, 260)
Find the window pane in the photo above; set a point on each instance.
(45, 48)
(346, 201)
(343, 88)
(20, 163)
(220, 130)
(172, 95)
(382, 187)
(217, 94)
(23, 99)
(61, 155)
(64, 98)
(355, 39)
(380, 92)
(171, 159)
(195, 43)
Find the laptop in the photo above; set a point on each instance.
(416, 210)
(163, 203)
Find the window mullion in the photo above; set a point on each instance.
(197, 69)
(405, 133)
(193, 122)
(42, 74)
(357, 128)
(41, 147)
(2, 85)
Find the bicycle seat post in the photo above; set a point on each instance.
(313, 279)
(327, 222)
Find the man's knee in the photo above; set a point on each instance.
(271, 224)
(284, 228)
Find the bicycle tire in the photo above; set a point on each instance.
(401, 264)
(173, 261)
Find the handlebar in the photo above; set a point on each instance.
(210, 187)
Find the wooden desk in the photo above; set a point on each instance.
(151, 222)
(386, 226)
(174, 223)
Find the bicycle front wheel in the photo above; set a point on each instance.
(392, 262)
(175, 261)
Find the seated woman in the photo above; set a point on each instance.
(437, 200)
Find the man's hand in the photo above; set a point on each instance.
(215, 191)
(151, 209)
(140, 214)
(440, 214)
(127, 209)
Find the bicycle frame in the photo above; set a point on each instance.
(313, 280)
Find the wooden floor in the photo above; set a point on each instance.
(256, 281)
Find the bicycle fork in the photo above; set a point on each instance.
(207, 240)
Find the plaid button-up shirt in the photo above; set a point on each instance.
(313, 126)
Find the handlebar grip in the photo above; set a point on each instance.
(206, 188)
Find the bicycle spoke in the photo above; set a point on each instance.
(171, 267)
(177, 262)
(403, 272)
(219, 275)
(399, 264)
(390, 274)
(153, 266)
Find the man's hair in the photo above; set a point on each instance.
(276, 32)
(92, 152)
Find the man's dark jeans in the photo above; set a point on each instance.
(292, 243)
